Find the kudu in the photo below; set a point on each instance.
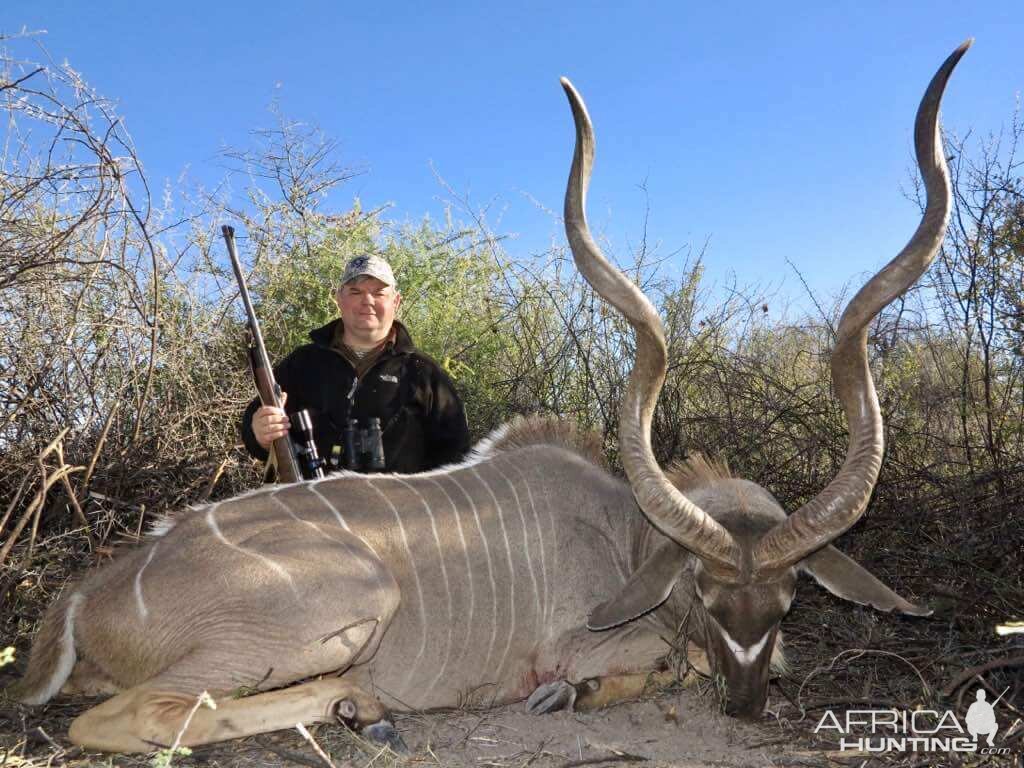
(321, 599)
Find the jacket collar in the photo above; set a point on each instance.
(323, 336)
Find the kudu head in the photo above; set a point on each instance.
(744, 552)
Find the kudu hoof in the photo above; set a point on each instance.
(551, 697)
(346, 711)
(383, 732)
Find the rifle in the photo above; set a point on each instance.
(283, 451)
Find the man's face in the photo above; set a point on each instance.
(367, 307)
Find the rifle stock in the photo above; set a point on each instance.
(283, 450)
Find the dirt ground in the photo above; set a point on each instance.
(674, 729)
(677, 728)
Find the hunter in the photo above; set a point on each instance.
(360, 367)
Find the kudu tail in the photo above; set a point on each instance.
(53, 653)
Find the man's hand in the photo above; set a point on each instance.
(270, 423)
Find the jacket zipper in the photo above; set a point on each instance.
(356, 381)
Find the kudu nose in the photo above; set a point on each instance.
(746, 705)
(744, 712)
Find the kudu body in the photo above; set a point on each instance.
(477, 581)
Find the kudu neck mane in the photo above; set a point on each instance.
(524, 431)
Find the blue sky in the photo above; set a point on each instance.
(776, 130)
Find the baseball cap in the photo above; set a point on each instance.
(369, 266)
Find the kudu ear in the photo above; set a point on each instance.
(645, 590)
(848, 579)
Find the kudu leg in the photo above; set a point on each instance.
(598, 692)
(87, 679)
(144, 718)
(603, 690)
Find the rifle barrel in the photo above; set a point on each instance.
(283, 449)
(254, 326)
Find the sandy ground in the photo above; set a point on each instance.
(679, 728)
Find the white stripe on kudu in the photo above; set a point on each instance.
(337, 514)
(511, 574)
(490, 571)
(334, 511)
(545, 617)
(139, 601)
(526, 538)
(275, 567)
(469, 567)
(444, 578)
(356, 555)
(416, 578)
(552, 542)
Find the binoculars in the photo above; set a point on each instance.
(364, 451)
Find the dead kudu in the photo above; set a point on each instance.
(478, 580)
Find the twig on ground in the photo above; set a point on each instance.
(856, 653)
(312, 742)
(967, 674)
(620, 758)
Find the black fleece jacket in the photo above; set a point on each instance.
(422, 420)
